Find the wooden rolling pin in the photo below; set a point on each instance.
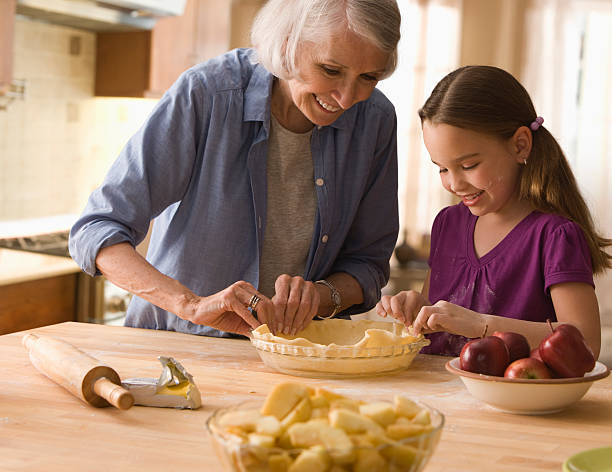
(79, 373)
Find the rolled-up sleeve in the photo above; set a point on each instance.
(151, 173)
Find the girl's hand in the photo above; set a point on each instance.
(228, 310)
(445, 316)
(404, 306)
(296, 302)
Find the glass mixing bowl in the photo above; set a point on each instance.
(406, 455)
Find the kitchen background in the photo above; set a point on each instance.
(70, 97)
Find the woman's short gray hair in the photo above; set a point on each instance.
(282, 26)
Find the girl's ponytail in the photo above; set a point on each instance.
(548, 183)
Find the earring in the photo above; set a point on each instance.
(525, 161)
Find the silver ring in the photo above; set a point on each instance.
(253, 302)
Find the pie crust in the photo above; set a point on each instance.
(338, 347)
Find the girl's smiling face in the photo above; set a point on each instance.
(480, 169)
(333, 77)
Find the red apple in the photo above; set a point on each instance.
(535, 353)
(488, 355)
(566, 352)
(527, 368)
(518, 346)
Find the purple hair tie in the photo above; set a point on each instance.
(535, 124)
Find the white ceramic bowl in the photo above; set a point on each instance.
(527, 396)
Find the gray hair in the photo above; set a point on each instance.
(282, 26)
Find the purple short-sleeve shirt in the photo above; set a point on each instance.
(511, 280)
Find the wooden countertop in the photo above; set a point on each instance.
(21, 266)
(43, 427)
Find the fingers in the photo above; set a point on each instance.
(398, 309)
(432, 318)
(237, 298)
(383, 307)
(420, 322)
(282, 289)
(295, 303)
(403, 306)
(232, 323)
(307, 307)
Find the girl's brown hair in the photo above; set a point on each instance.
(489, 100)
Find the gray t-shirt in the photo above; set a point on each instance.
(291, 206)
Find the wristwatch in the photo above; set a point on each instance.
(335, 297)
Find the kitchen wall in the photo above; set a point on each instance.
(56, 145)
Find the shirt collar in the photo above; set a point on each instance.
(257, 95)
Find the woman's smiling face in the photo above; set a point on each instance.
(480, 169)
(334, 76)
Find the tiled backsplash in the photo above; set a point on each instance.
(56, 145)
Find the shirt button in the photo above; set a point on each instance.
(324, 238)
(319, 127)
(320, 182)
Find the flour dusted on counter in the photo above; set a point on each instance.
(175, 387)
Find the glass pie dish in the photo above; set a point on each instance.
(339, 348)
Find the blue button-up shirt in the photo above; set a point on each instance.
(198, 167)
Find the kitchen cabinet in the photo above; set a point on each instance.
(40, 302)
(37, 290)
(146, 63)
(7, 26)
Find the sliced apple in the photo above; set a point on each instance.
(422, 417)
(301, 412)
(400, 455)
(311, 460)
(279, 462)
(261, 440)
(319, 401)
(244, 419)
(361, 440)
(345, 403)
(353, 422)
(399, 431)
(328, 394)
(381, 412)
(317, 433)
(283, 398)
(306, 434)
(268, 425)
(369, 460)
(406, 407)
(319, 413)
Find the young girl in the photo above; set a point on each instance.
(520, 247)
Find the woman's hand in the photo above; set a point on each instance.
(404, 306)
(445, 316)
(296, 302)
(228, 310)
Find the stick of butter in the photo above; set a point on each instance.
(175, 387)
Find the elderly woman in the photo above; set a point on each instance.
(271, 174)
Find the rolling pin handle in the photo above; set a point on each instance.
(115, 394)
(28, 341)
